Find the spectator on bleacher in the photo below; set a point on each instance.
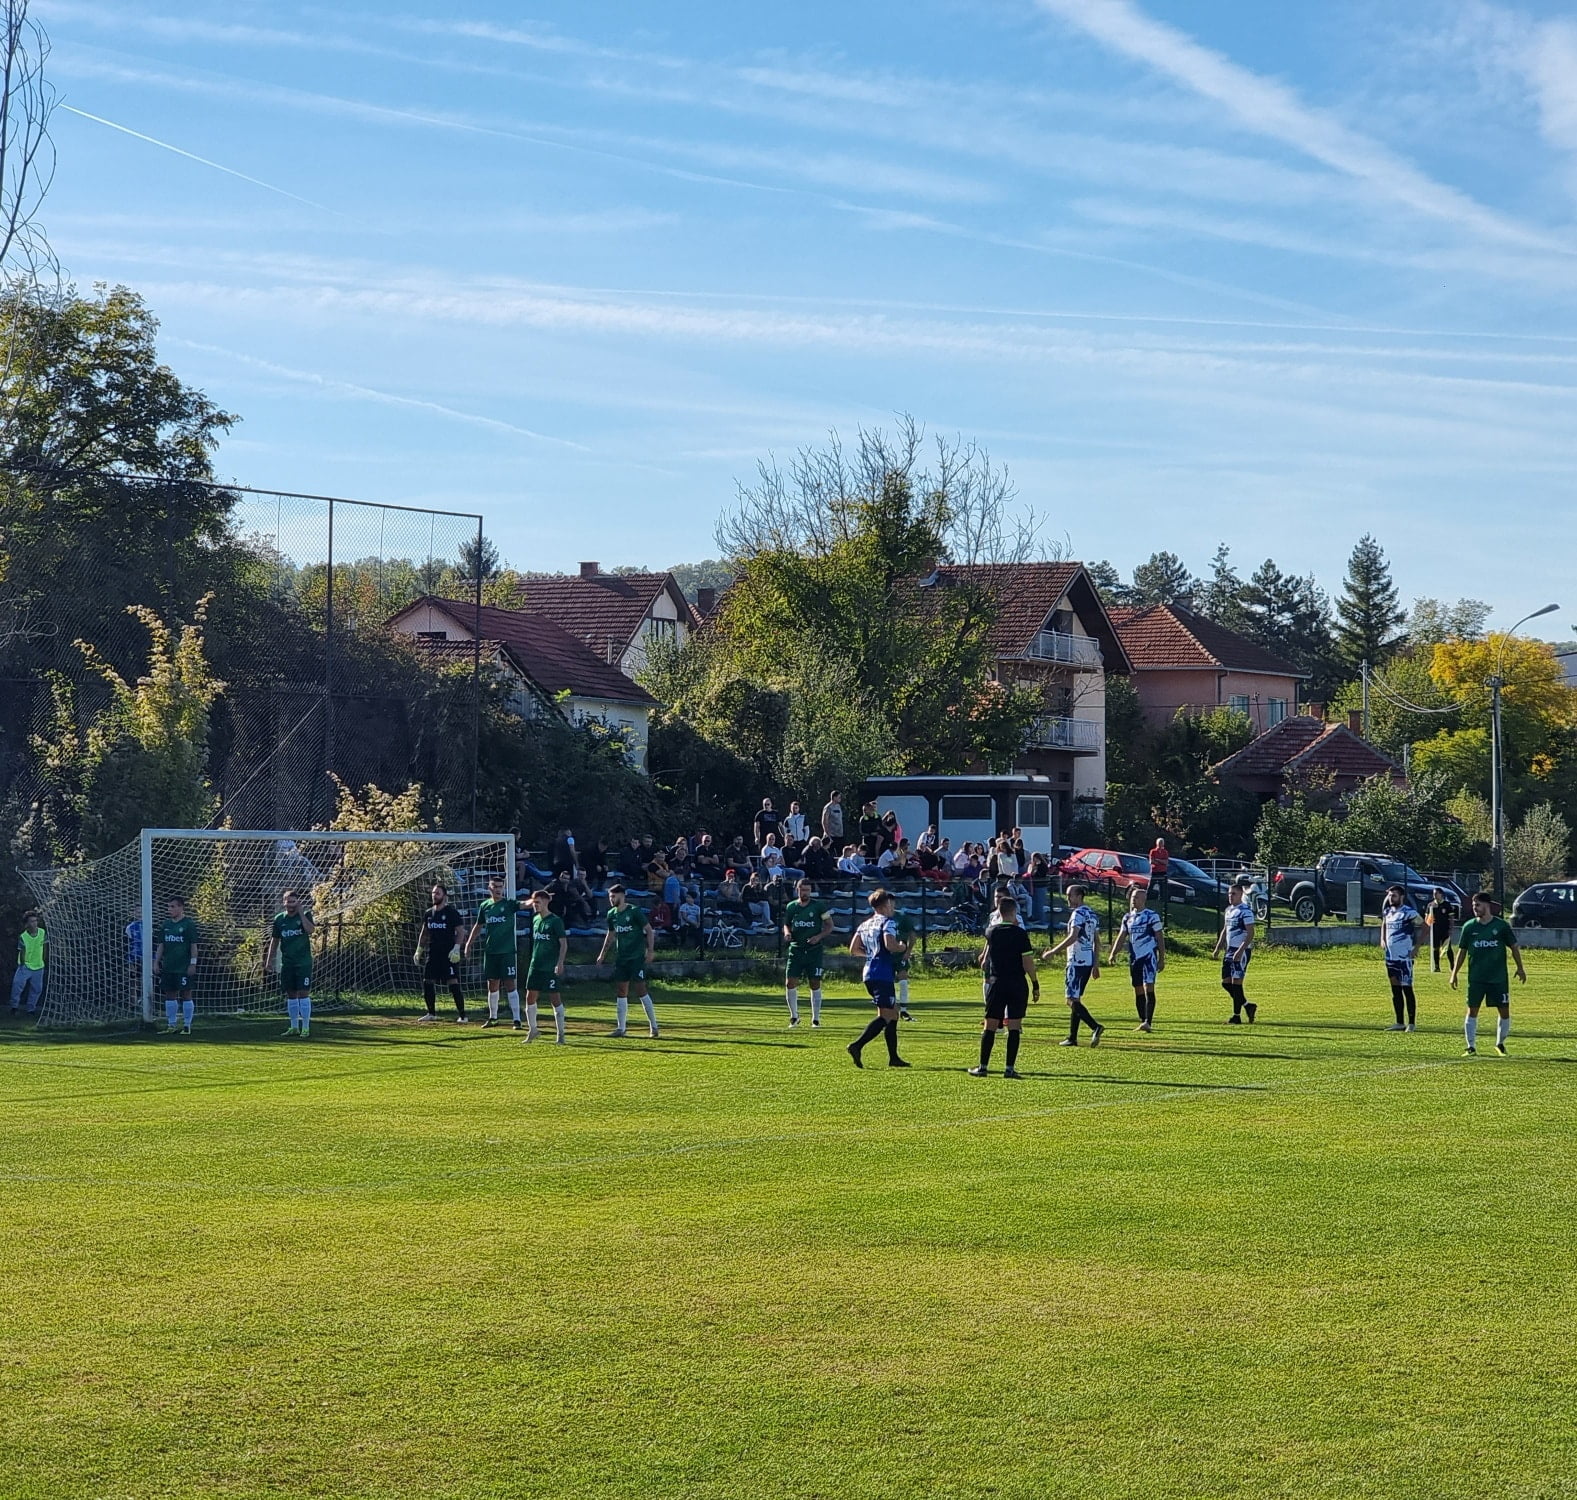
(771, 856)
(832, 821)
(794, 825)
(1038, 879)
(730, 897)
(817, 861)
(926, 841)
(1020, 853)
(965, 863)
(688, 933)
(677, 855)
(736, 855)
(564, 853)
(1002, 865)
(872, 832)
(569, 900)
(852, 861)
(757, 902)
(927, 861)
(593, 859)
(768, 821)
(706, 862)
(648, 849)
(627, 861)
(892, 831)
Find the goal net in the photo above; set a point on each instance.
(365, 892)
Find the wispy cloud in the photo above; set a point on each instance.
(383, 398)
(1274, 110)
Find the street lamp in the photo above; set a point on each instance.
(1496, 770)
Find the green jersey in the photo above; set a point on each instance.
(295, 942)
(546, 935)
(906, 933)
(1485, 944)
(627, 923)
(179, 938)
(497, 921)
(804, 920)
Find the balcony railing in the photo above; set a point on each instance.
(1057, 733)
(1070, 650)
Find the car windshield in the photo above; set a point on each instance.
(1135, 864)
(1405, 874)
(1189, 868)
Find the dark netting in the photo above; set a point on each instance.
(302, 589)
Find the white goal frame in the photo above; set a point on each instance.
(147, 837)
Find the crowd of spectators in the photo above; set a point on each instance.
(746, 879)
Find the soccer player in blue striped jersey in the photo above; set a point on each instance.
(1398, 941)
(1144, 936)
(1236, 945)
(876, 940)
(1082, 945)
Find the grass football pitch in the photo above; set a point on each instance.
(1304, 1258)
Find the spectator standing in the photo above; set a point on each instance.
(32, 962)
(767, 821)
(871, 832)
(794, 829)
(892, 830)
(673, 890)
(832, 821)
(564, 852)
(1160, 863)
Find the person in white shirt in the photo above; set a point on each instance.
(1144, 937)
(1237, 939)
(927, 840)
(1082, 945)
(771, 856)
(886, 859)
(962, 859)
(794, 824)
(1399, 921)
(852, 862)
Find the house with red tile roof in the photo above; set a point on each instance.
(616, 614)
(550, 670)
(1183, 662)
(1303, 748)
(1052, 632)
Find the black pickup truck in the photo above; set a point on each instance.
(1317, 892)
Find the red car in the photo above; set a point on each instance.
(1098, 867)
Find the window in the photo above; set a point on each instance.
(968, 809)
(1238, 703)
(662, 630)
(1276, 712)
(432, 635)
(1034, 812)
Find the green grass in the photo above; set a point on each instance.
(1302, 1259)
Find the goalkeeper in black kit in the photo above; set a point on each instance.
(438, 953)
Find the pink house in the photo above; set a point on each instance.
(1181, 660)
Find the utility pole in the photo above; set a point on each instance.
(1366, 699)
(1497, 811)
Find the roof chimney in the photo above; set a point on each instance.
(1313, 710)
(706, 600)
(1355, 720)
(589, 570)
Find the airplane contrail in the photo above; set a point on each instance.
(192, 156)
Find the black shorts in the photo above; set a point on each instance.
(883, 993)
(440, 971)
(1141, 971)
(1006, 1002)
(174, 984)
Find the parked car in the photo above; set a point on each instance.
(1100, 867)
(1313, 893)
(1552, 905)
(1189, 883)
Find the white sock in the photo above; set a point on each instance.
(651, 1011)
(792, 996)
(492, 1005)
(1470, 1030)
(903, 993)
(188, 1010)
(531, 1018)
(172, 1012)
(815, 1004)
(290, 1010)
(1502, 1030)
(558, 1020)
(304, 1011)
(514, 1004)
(621, 1011)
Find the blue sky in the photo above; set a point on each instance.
(1274, 274)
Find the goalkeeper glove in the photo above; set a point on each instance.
(416, 958)
(454, 954)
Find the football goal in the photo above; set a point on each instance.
(365, 892)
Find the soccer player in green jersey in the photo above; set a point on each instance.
(175, 957)
(549, 945)
(1482, 945)
(807, 924)
(290, 936)
(630, 939)
(907, 933)
(495, 925)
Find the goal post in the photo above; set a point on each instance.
(365, 892)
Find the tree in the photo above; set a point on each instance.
(478, 559)
(1108, 582)
(1163, 579)
(1368, 610)
(1536, 704)
(1459, 757)
(141, 761)
(27, 159)
(836, 606)
(1294, 833)
(1406, 704)
(1409, 822)
(1221, 596)
(1431, 621)
(1291, 617)
(1538, 848)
